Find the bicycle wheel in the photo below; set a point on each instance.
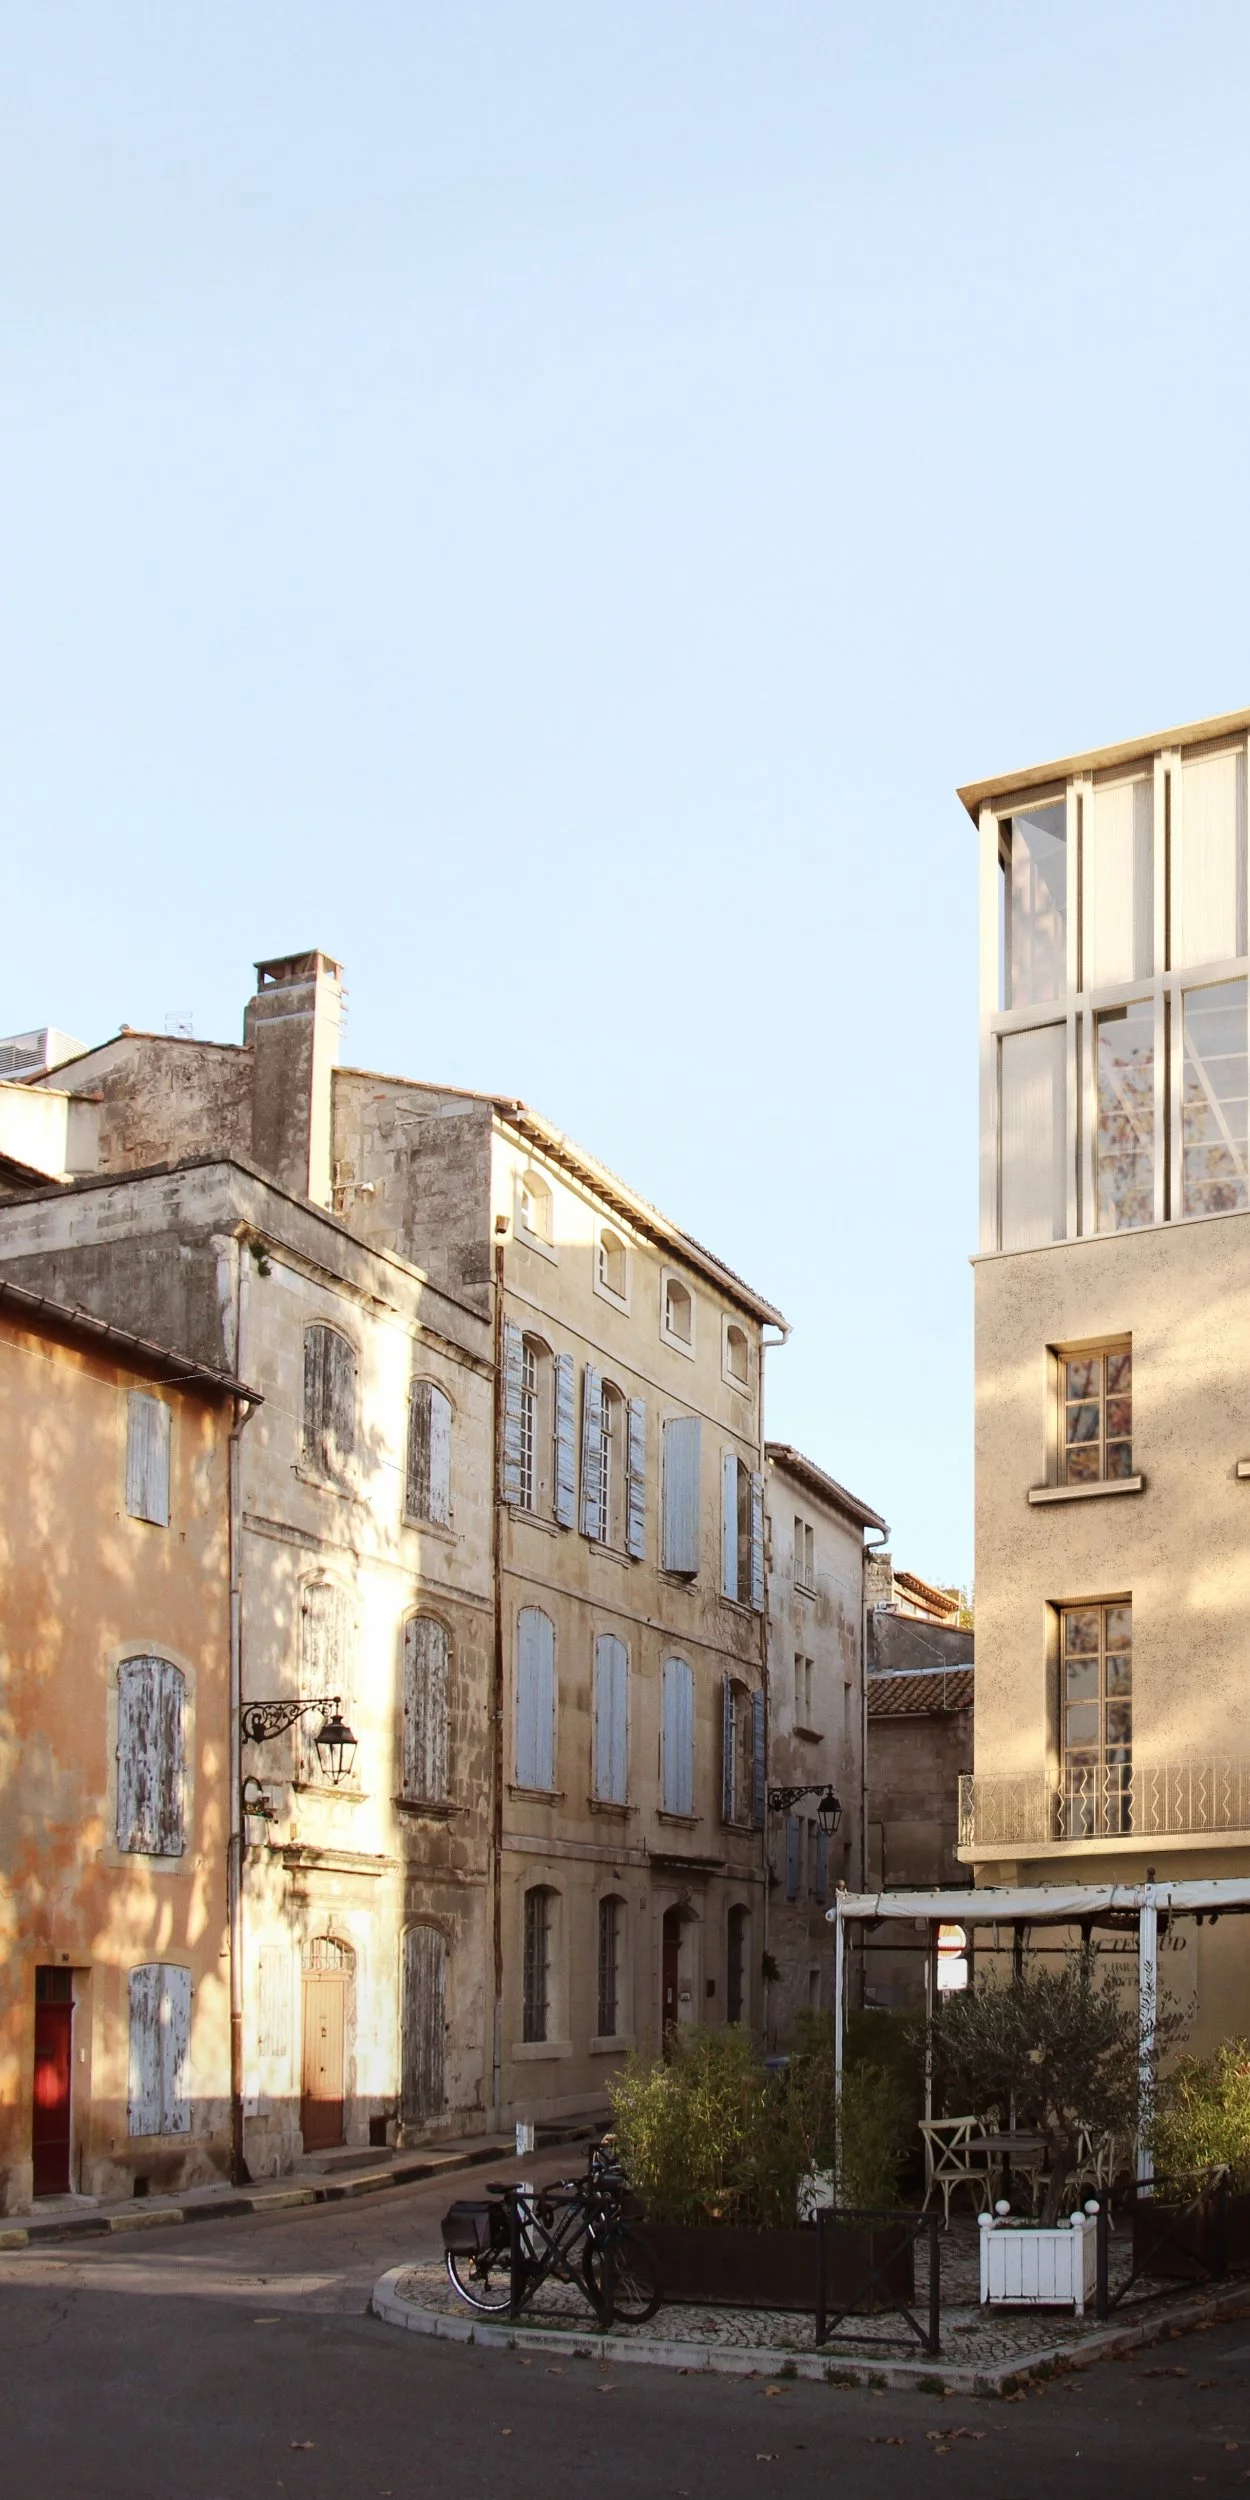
(636, 2287)
(485, 2281)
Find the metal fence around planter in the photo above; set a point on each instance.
(1190, 2228)
(890, 2281)
(844, 2263)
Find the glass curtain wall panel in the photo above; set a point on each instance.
(1098, 1417)
(1033, 1137)
(1117, 884)
(1036, 886)
(1124, 1141)
(1096, 1667)
(1209, 855)
(1213, 1100)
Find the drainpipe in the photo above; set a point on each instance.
(497, 1767)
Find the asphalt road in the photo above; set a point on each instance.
(236, 2361)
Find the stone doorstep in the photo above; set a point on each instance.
(834, 2365)
(224, 2204)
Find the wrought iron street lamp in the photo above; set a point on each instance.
(828, 1812)
(335, 1743)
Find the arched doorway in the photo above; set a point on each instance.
(328, 1967)
(676, 1986)
(423, 2026)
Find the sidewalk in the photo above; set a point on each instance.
(325, 2180)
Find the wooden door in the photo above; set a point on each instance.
(321, 2101)
(671, 1972)
(50, 2123)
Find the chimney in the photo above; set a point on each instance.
(292, 1027)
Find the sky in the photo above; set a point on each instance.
(547, 501)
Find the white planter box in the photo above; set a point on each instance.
(1041, 2266)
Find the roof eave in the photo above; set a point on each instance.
(977, 794)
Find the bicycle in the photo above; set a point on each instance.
(498, 2253)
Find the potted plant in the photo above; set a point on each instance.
(717, 2148)
(1198, 2222)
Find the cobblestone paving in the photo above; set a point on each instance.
(971, 2336)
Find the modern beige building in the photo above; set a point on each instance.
(1113, 1331)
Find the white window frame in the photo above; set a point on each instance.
(532, 1240)
(681, 1345)
(732, 1378)
(606, 1292)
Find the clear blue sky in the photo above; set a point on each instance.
(546, 501)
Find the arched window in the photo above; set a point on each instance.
(329, 1402)
(426, 1680)
(535, 1699)
(536, 1433)
(611, 1720)
(612, 1268)
(427, 1485)
(677, 1738)
(536, 1970)
(737, 1940)
(613, 1466)
(151, 1806)
(678, 1311)
(534, 1207)
(609, 2025)
(737, 1353)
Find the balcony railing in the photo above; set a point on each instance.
(1112, 1801)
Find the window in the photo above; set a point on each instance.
(151, 1695)
(532, 1436)
(804, 1554)
(608, 2016)
(1209, 854)
(1213, 1100)
(426, 1679)
(1036, 866)
(160, 2049)
(612, 1466)
(742, 1533)
(742, 1755)
(325, 1665)
(534, 1207)
(329, 1402)
(802, 1690)
(611, 1720)
(147, 1458)
(677, 1741)
(536, 1975)
(1096, 1668)
(1032, 1147)
(427, 1488)
(736, 1964)
(737, 1354)
(678, 1310)
(1124, 1149)
(538, 1462)
(612, 1264)
(535, 1699)
(1096, 1399)
(682, 1454)
(1117, 883)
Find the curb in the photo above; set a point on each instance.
(263, 2200)
(923, 2376)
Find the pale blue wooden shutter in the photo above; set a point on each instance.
(151, 1770)
(794, 1845)
(611, 1719)
(535, 1699)
(175, 2050)
(729, 1525)
(682, 1449)
(677, 1785)
(147, 1458)
(727, 1749)
(566, 1460)
(593, 1522)
(171, 1775)
(439, 1511)
(636, 1528)
(822, 1864)
(510, 1456)
(757, 1544)
(160, 2044)
(759, 1761)
(425, 1708)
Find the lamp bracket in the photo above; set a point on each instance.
(259, 1720)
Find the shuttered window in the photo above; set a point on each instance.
(423, 2025)
(536, 1970)
(535, 1699)
(729, 1525)
(329, 1402)
(636, 1520)
(682, 1451)
(596, 1462)
(565, 1441)
(427, 1493)
(677, 1747)
(160, 2049)
(426, 1662)
(743, 1763)
(516, 1477)
(759, 1759)
(325, 1663)
(151, 1777)
(755, 1544)
(608, 1994)
(611, 1719)
(147, 1458)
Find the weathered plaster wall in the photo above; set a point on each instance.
(82, 1585)
(412, 1174)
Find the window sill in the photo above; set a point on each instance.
(610, 1807)
(532, 1519)
(537, 1796)
(616, 1301)
(610, 2045)
(1040, 1493)
(433, 1809)
(441, 1528)
(326, 1484)
(319, 1788)
(526, 1240)
(526, 2052)
(809, 1735)
(679, 1579)
(610, 1553)
(680, 1345)
(688, 1821)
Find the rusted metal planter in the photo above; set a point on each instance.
(733, 2268)
(1189, 2240)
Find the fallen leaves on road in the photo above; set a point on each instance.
(1206, 2382)
(1168, 2373)
(886, 2439)
(767, 2456)
(1018, 2396)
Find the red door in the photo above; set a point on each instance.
(50, 2128)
